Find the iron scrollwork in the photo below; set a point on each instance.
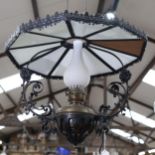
(31, 89)
(119, 90)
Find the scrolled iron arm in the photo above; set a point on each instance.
(45, 113)
(119, 90)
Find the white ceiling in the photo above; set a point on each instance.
(140, 13)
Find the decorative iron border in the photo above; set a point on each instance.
(66, 16)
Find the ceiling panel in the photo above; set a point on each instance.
(10, 68)
(145, 93)
(12, 14)
(139, 13)
(50, 7)
(139, 108)
(5, 101)
(152, 144)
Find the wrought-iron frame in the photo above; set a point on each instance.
(100, 121)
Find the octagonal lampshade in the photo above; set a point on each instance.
(46, 45)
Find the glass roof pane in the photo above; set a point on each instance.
(64, 64)
(114, 33)
(26, 39)
(25, 54)
(47, 62)
(93, 64)
(125, 59)
(109, 58)
(82, 29)
(139, 118)
(59, 30)
(127, 135)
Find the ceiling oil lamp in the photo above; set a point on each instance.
(76, 48)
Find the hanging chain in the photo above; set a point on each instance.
(86, 9)
(67, 4)
(104, 140)
(103, 143)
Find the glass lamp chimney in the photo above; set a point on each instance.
(77, 74)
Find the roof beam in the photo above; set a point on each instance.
(141, 103)
(152, 40)
(141, 76)
(138, 132)
(133, 128)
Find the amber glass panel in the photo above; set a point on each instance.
(132, 47)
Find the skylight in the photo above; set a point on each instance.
(2, 127)
(23, 117)
(127, 135)
(14, 81)
(149, 77)
(152, 151)
(140, 118)
(149, 151)
(141, 153)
